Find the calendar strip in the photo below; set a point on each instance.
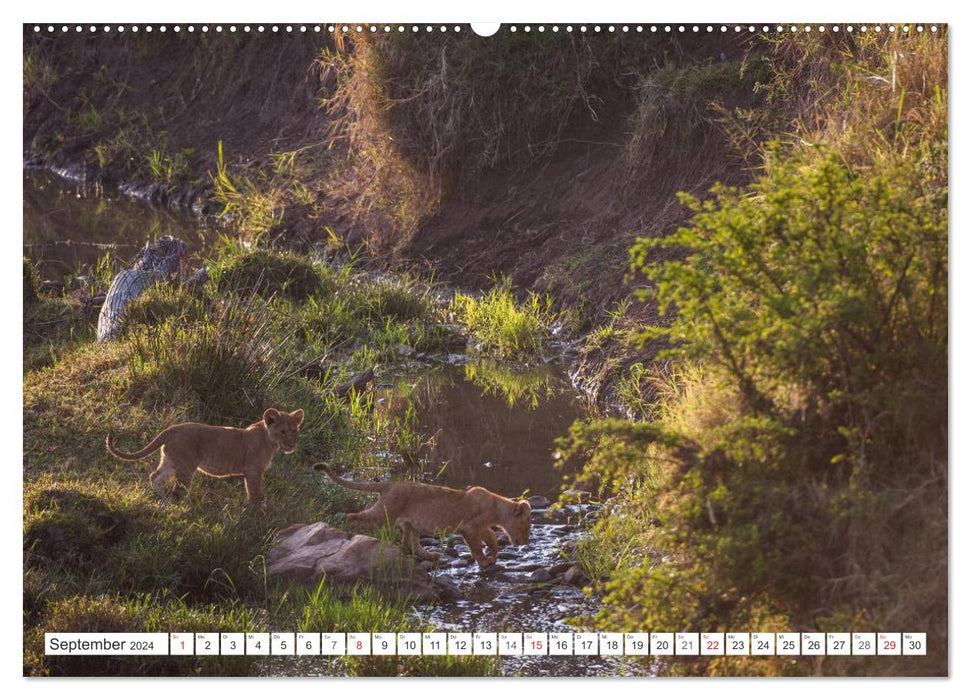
(487, 644)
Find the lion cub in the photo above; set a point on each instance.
(220, 451)
(424, 509)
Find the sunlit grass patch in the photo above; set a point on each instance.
(504, 327)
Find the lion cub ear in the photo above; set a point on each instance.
(270, 415)
(298, 414)
(522, 508)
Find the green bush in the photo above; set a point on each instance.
(814, 305)
(825, 286)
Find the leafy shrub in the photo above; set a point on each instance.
(824, 281)
(814, 307)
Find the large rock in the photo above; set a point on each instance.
(308, 552)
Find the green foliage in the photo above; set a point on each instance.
(398, 298)
(503, 327)
(254, 203)
(792, 475)
(824, 280)
(165, 166)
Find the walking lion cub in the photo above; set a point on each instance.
(220, 451)
(424, 509)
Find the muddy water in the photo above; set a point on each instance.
(495, 426)
(69, 224)
(490, 424)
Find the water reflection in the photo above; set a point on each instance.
(523, 387)
(490, 426)
(69, 225)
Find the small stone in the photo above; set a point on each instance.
(540, 576)
(574, 576)
(560, 568)
(405, 350)
(538, 502)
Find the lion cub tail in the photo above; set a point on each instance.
(135, 456)
(357, 485)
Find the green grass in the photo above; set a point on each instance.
(502, 326)
(103, 551)
(142, 613)
(268, 273)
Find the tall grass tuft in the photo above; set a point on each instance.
(502, 326)
(226, 365)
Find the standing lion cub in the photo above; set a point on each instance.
(424, 509)
(220, 451)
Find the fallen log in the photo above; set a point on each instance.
(157, 261)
